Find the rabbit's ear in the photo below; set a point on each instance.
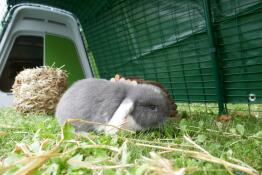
(118, 119)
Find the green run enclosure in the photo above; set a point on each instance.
(202, 51)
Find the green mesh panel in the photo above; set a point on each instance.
(167, 41)
(157, 41)
(238, 25)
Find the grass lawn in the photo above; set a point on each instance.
(196, 144)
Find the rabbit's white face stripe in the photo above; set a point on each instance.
(120, 115)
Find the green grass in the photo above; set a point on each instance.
(240, 138)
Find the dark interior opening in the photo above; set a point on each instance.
(27, 52)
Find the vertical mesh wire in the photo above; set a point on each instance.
(167, 41)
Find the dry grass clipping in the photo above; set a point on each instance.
(35, 160)
(39, 89)
(155, 165)
(202, 154)
(159, 165)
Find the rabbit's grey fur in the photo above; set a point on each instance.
(98, 99)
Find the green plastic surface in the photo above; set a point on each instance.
(60, 52)
(167, 41)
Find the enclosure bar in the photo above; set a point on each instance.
(213, 55)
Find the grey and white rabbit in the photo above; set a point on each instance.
(122, 104)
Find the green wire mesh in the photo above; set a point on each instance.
(238, 25)
(167, 41)
(155, 40)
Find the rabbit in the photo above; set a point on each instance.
(121, 104)
(138, 80)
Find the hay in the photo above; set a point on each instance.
(39, 89)
(204, 156)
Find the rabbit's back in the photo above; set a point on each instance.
(91, 100)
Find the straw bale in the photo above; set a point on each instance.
(38, 89)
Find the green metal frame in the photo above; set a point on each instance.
(215, 59)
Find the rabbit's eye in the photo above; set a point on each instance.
(152, 107)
